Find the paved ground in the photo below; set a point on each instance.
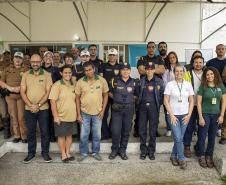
(133, 171)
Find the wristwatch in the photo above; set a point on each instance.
(39, 105)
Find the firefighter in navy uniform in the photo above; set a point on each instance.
(159, 71)
(122, 91)
(149, 100)
(109, 70)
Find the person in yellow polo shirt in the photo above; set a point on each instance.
(62, 99)
(91, 100)
(35, 87)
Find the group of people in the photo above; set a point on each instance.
(76, 96)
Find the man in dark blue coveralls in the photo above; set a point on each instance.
(150, 98)
(122, 90)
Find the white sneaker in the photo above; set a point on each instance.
(219, 133)
(168, 133)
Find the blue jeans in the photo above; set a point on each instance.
(42, 117)
(209, 128)
(178, 131)
(191, 127)
(167, 121)
(85, 131)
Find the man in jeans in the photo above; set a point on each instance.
(35, 88)
(91, 100)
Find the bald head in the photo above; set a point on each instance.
(36, 62)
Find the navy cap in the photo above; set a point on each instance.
(150, 65)
(125, 65)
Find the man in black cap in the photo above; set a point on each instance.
(150, 98)
(122, 90)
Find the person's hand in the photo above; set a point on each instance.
(101, 114)
(57, 120)
(202, 122)
(79, 118)
(220, 119)
(186, 119)
(34, 108)
(173, 119)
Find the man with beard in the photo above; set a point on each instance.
(162, 48)
(75, 52)
(93, 57)
(56, 59)
(35, 88)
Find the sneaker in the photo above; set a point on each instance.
(183, 164)
(187, 152)
(123, 156)
(174, 161)
(16, 140)
(112, 155)
(47, 158)
(28, 159)
(202, 161)
(222, 141)
(82, 157)
(97, 157)
(168, 133)
(209, 162)
(219, 133)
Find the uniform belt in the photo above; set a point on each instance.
(117, 106)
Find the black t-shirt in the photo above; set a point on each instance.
(97, 63)
(218, 64)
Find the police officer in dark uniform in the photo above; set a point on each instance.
(122, 90)
(149, 101)
(159, 71)
(109, 70)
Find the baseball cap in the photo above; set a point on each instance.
(6, 52)
(125, 65)
(112, 51)
(19, 54)
(150, 65)
(84, 52)
(48, 52)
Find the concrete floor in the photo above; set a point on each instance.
(133, 171)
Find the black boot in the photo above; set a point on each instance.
(7, 133)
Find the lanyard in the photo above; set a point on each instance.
(197, 76)
(214, 92)
(180, 87)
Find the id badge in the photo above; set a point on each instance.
(214, 101)
(180, 99)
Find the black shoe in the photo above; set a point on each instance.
(66, 160)
(16, 140)
(24, 140)
(151, 156)
(28, 159)
(135, 134)
(72, 158)
(158, 134)
(47, 158)
(222, 141)
(123, 156)
(53, 140)
(112, 155)
(143, 156)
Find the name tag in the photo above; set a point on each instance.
(214, 101)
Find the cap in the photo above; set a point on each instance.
(48, 52)
(150, 65)
(84, 52)
(125, 65)
(112, 51)
(5, 52)
(19, 54)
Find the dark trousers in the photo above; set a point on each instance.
(120, 128)
(136, 120)
(51, 126)
(210, 128)
(148, 113)
(191, 127)
(42, 117)
(106, 128)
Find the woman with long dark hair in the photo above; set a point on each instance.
(211, 108)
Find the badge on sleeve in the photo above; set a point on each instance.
(129, 89)
(116, 71)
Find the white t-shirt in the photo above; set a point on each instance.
(197, 82)
(172, 90)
